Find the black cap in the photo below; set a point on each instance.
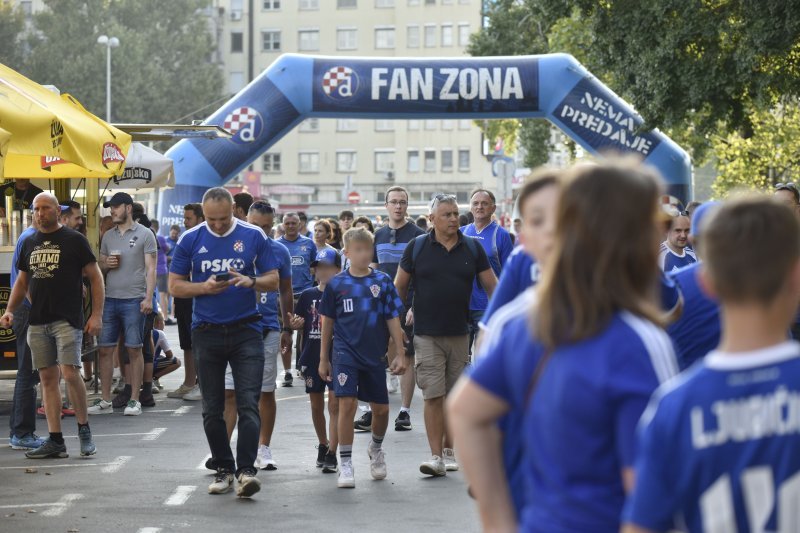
(119, 198)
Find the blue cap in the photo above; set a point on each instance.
(328, 256)
(701, 213)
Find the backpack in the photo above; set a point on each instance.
(419, 243)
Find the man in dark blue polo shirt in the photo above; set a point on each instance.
(443, 268)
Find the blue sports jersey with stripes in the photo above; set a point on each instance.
(519, 273)
(360, 307)
(268, 301)
(697, 330)
(497, 244)
(669, 261)
(719, 446)
(302, 251)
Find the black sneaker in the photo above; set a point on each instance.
(287, 379)
(364, 423)
(403, 421)
(48, 449)
(120, 400)
(147, 400)
(322, 451)
(211, 464)
(330, 466)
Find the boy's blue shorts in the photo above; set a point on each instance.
(368, 384)
(312, 380)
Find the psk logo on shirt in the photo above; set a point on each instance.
(342, 377)
(238, 246)
(376, 290)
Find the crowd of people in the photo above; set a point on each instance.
(613, 362)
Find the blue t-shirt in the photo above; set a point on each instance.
(579, 423)
(697, 331)
(719, 446)
(202, 253)
(360, 307)
(669, 261)
(519, 272)
(497, 244)
(17, 251)
(302, 251)
(308, 307)
(268, 301)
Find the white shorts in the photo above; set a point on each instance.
(272, 345)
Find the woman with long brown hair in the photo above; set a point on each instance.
(579, 367)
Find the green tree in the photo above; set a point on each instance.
(12, 24)
(161, 71)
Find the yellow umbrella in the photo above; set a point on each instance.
(45, 125)
(5, 137)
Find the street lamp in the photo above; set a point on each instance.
(109, 43)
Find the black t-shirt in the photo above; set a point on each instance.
(443, 282)
(23, 199)
(54, 263)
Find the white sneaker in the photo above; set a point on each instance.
(394, 384)
(449, 458)
(101, 407)
(180, 392)
(193, 395)
(156, 387)
(222, 483)
(435, 467)
(347, 477)
(377, 462)
(248, 484)
(120, 386)
(264, 460)
(133, 408)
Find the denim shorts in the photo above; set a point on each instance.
(272, 345)
(57, 343)
(122, 315)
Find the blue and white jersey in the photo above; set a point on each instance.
(302, 251)
(201, 253)
(268, 301)
(360, 307)
(719, 446)
(698, 329)
(578, 429)
(497, 244)
(669, 261)
(519, 272)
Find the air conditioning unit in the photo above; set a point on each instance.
(236, 15)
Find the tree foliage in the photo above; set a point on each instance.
(12, 23)
(161, 71)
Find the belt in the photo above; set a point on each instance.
(230, 325)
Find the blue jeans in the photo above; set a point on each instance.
(243, 347)
(23, 406)
(122, 315)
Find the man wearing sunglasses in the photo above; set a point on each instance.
(390, 242)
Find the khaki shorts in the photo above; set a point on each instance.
(440, 362)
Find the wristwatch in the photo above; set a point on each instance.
(254, 281)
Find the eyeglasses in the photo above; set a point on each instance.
(396, 203)
(393, 237)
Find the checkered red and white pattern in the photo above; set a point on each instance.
(334, 77)
(238, 118)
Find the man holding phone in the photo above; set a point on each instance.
(228, 260)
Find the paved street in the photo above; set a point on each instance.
(148, 476)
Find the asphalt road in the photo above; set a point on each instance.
(148, 476)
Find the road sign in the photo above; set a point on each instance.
(353, 197)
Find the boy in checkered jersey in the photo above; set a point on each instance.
(360, 311)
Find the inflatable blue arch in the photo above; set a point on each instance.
(296, 87)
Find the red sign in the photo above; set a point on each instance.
(354, 197)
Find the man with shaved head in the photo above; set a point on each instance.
(51, 265)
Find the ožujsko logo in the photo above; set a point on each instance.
(340, 83)
(244, 123)
(112, 154)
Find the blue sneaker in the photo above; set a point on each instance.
(27, 442)
(87, 446)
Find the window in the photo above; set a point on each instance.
(27, 8)
(463, 124)
(236, 9)
(430, 2)
(345, 160)
(447, 160)
(347, 124)
(447, 124)
(413, 125)
(235, 82)
(413, 161)
(430, 124)
(462, 197)
(430, 160)
(413, 2)
(309, 4)
(412, 36)
(271, 40)
(463, 159)
(308, 162)
(384, 161)
(309, 125)
(463, 34)
(447, 35)
(272, 162)
(346, 4)
(346, 39)
(384, 3)
(308, 40)
(384, 37)
(384, 125)
(272, 5)
(430, 35)
(237, 41)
